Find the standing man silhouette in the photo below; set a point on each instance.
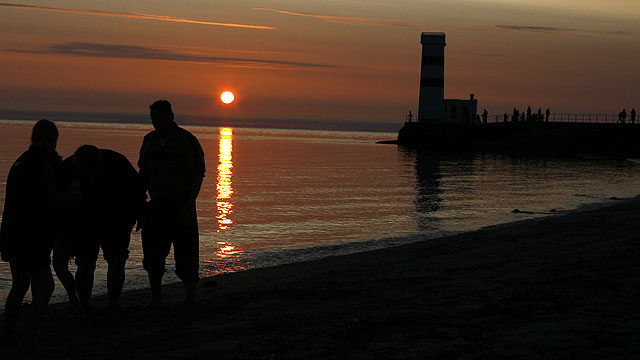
(172, 168)
(547, 113)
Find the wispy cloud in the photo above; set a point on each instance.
(343, 19)
(558, 30)
(135, 16)
(146, 53)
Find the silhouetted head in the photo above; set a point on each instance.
(87, 159)
(161, 115)
(45, 135)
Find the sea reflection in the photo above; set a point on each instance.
(428, 186)
(227, 257)
(226, 250)
(225, 172)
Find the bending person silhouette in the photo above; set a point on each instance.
(172, 168)
(28, 228)
(104, 198)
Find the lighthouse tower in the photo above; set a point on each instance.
(432, 104)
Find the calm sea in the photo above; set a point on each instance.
(277, 196)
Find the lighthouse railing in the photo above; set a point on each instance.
(578, 118)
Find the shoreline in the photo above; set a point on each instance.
(553, 287)
(378, 244)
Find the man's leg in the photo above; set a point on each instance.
(86, 257)
(155, 248)
(115, 248)
(84, 280)
(41, 289)
(187, 255)
(20, 281)
(61, 267)
(155, 283)
(115, 281)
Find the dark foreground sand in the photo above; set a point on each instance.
(563, 287)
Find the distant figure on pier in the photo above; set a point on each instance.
(547, 113)
(622, 116)
(515, 115)
(528, 113)
(540, 118)
(633, 115)
(505, 118)
(410, 116)
(485, 115)
(28, 225)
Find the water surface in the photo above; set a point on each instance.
(276, 196)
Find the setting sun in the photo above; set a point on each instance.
(227, 97)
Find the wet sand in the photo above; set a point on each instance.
(560, 287)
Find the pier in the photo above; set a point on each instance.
(574, 118)
(455, 125)
(550, 138)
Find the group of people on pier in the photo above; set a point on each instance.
(91, 201)
(622, 116)
(529, 116)
(516, 116)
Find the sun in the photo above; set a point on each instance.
(227, 97)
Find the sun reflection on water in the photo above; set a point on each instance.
(225, 256)
(225, 172)
(226, 250)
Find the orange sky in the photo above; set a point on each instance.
(338, 61)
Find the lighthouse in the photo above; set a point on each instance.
(432, 106)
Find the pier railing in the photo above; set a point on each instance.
(578, 118)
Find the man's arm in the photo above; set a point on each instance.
(198, 167)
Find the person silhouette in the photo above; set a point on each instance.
(623, 115)
(485, 115)
(633, 115)
(28, 227)
(105, 198)
(547, 113)
(172, 169)
(410, 116)
(505, 117)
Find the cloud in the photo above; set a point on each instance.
(146, 53)
(135, 16)
(557, 30)
(343, 19)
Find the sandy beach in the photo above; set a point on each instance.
(560, 287)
